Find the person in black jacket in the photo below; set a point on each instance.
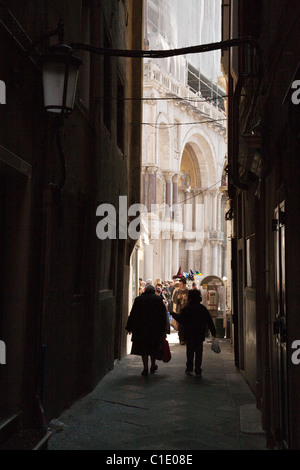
(195, 317)
(148, 322)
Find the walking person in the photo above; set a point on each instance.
(172, 284)
(181, 299)
(148, 322)
(174, 307)
(195, 317)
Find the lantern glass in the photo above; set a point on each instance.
(60, 75)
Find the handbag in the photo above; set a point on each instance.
(215, 346)
(166, 353)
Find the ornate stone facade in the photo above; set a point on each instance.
(184, 151)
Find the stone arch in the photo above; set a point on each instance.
(203, 150)
(189, 169)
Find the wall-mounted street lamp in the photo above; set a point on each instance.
(60, 66)
(60, 75)
(60, 72)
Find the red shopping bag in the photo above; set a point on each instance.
(166, 353)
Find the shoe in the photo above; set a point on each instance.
(198, 373)
(153, 369)
(145, 373)
(188, 372)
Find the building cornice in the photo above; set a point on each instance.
(183, 97)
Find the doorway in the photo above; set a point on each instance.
(15, 189)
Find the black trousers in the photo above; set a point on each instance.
(181, 335)
(194, 352)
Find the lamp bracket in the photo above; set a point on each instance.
(59, 31)
(223, 45)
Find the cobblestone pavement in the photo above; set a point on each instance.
(167, 410)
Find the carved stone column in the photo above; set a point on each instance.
(199, 213)
(190, 259)
(207, 211)
(148, 261)
(214, 195)
(214, 257)
(175, 256)
(167, 268)
(219, 211)
(175, 179)
(143, 191)
(151, 186)
(188, 217)
(205, 268)
(220, 256)
(168, 177)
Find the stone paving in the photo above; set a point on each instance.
(167, 410)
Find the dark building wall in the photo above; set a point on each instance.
(264, 169)
(64, 302)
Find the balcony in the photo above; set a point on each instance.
(155, 77)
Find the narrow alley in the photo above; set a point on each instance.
(168, 410)
(149, 142)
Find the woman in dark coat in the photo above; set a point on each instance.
(148, 323)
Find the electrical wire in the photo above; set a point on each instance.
(175, 98)
(200, 192)
(158, 54)
(188, 199)
(167, 126)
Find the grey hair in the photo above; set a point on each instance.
(149, 289)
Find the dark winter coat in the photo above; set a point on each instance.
(148, 322)
(195, 317)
